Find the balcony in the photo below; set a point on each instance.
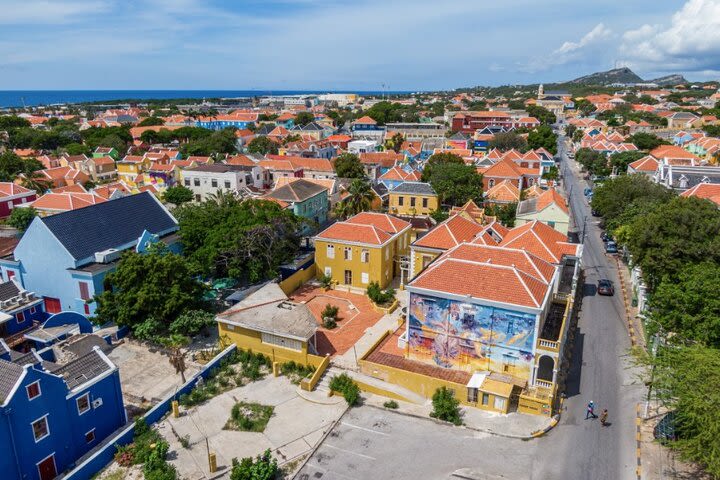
(554, 326)
(17, 338)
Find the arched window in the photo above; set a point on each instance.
(546, 364)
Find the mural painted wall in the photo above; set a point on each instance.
(465, 336)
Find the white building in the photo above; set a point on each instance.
(362, 146)
(208, 179)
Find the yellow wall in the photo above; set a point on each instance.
(407, 209)
(294, 281)
(381, 266)
(419, 252)
(252, 340)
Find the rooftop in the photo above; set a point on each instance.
(414, 188)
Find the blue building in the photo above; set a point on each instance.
(365, 128)
(55, 406)
(20, 312)
(64, 258)
(306, 199)
(238, 120)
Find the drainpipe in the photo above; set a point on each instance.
(6, 414)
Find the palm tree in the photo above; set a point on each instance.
(35, 181)
(359, 198)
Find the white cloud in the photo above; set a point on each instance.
(39, 12)
(570, 52)
(691, 43)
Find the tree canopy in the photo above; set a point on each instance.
(151, 121)
(11, 165)
(21, 218)
(543, 137)
(438, 159)
(359, 199)
(303, 118)
(262, 145)
(348, 165)
(594, 162)
(178, 195)
(541, 113)
(646, 141)
(148, 291)
(246, 240)
(616, 195)
(505, 141)
(620, 161)
(455, 183)
(222, 141)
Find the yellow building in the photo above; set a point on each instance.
(268, 323)
(365, 248)
(413, 198)
(130, 167)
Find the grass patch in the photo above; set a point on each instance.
(344, 384)
(148, 449)
(249, 417)
(391, 404)
(236, 370)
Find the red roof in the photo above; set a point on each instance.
(366, 120)
(450, 233)
(366, 227)
(8, 189)
(541, 240)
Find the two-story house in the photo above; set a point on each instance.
(208, 179)
(20, 311)
(306, 199)
(549, 208)
(56, 405)
(365, 248)
(64, 258)
(12, 195)
(413, 199)
(130, 167)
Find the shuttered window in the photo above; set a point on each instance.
(283, 342)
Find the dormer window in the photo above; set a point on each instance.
(683, 181)
(705, 179)
(33, 390)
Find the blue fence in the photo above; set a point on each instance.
(102, 457)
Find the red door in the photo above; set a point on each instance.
(47, 469)
(52, 305)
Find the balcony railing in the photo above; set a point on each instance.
(548, 345)
(543, 384)
(19, 337)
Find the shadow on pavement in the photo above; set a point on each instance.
(572, 383)
(589, 289)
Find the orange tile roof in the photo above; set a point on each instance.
(383, 221)
(450, 233)
(470, 211)
(366, 120)
(108, 189)
(498, 274)
(366, 227)
(672, 151)
(385, 159)
(397, 173)
(62, 202)
(645, 164)
(505, 168)
(708, 191)
(283, 165)
(323, 182)
(76, 188)
(549, 197)
(240, 160)
(504, 191)
(541, 240)
(8, 189)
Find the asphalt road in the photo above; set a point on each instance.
(601, 369)
(370, 443)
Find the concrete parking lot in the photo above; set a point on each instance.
(373, 443)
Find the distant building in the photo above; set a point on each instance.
(305, 198)
(12, 195)
(413, 198)
(206, 180)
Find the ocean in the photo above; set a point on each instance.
(19, 98)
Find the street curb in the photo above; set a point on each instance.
(638, 439)
(533, 435)
(628, 317)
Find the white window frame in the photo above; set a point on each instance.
(93, 436)
(365, 255)
(77, 403)
(330, 251)
(328, 271)
(47, 427)
(37, 465)
(33, 310)
(347, 253)
(365, 278)
(281, 342)
(27, 388)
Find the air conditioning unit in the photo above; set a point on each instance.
(97, 403)
(107, 256)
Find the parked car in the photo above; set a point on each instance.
(611, 247)
(594, 213)
(605, 287)
(587, 191)
(605, 237)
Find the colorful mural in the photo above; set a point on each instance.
(465, 336)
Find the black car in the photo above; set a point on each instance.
(605, 287)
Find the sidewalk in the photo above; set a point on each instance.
(638, 330)
(512, 425)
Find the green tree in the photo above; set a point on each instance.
(262, 145)
(672, 235)
(13, 121)
(21, 218)
(584, 106)
(456, 183)
(246, 240)
(178, 195)
(685, 380)
(505, 141)
(151, 121)
(594, 162)
(348, 165)
(615, 195)
(689, 306)
(438, 159)
(620, 161)
(543, 137)
(445, 406)
(148, 291)
(359, 199)
(77, 149)
(35, 181)
(543, 114)
(505, 213)
(551, 173)
(303, 118)
(395, 143)
(646, 141)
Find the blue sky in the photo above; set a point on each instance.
(342, 45)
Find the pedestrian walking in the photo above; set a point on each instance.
(590, 410)
(603, 417)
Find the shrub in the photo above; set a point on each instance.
(326, 281)
(249, 417)
(329, 316)
(446, 406)
(378, 296)
(344, 384)
(392, 404)
(264, 467)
